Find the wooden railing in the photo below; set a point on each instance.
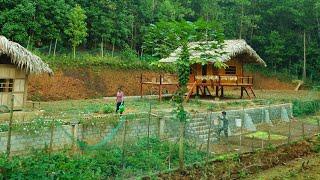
(225, 80)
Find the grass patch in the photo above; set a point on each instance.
(264, 136)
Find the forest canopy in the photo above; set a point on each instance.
(275, 29)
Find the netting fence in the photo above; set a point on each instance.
(146, 143)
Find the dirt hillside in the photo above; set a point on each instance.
(87, 83)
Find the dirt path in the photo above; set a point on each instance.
(301, 168)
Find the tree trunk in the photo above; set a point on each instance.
(318, 23)
(55, 47)
(132, 34)
(304, 75)
(74, 52)
(29, 39)
(241, 21)
(102, 47)
(112, 49)
(50, 47)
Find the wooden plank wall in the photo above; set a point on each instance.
(19, 86)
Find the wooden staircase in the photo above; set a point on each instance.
(190, 90)
(249, 91)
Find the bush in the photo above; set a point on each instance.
(301, 108)
(107, 109)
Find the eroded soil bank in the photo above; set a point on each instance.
(85, 83)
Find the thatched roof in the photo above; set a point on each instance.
(229, 50)
(23, 58)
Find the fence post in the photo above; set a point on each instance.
(269, 137)
(123, 144)
(318, 124)
(51, 136)
(74, 135)
(252, 146)
(303, 133)
(240, 141)
(208, 141)
(10, 127)
(181, 145)
(289, 134)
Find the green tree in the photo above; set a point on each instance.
(76, 29)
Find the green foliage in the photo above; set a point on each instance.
(77, 27)
(184, 66)
(108, 108)
(99, 108)
(301, 108)
(165, 36)
(87, 60)
(34, 127)
(274, 28)
(104, 163)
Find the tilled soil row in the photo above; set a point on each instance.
(244, 164)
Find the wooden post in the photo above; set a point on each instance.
(289, 133)
(10, 127)
(149, 120)
(240, 138)
(208, 141)
(123, 144)
(181, 146)
(252, 146)
(51, 136)
(318, 124)
(141, 93)
(269, 137)
(303, 133)
(222, 91)
(241, 92)
(160, 88)
(217, 91)
(73, 131)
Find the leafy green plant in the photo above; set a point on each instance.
(107, 109)
(301, 108)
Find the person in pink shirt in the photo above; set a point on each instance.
(119, 99)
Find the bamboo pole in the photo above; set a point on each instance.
(10, 127)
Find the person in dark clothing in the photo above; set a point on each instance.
(225, 125)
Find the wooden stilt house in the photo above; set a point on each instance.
(206, 79)
(16, 64)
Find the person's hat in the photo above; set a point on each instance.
(224, 113)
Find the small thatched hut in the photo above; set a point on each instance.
(204, 78)
(16, 63)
